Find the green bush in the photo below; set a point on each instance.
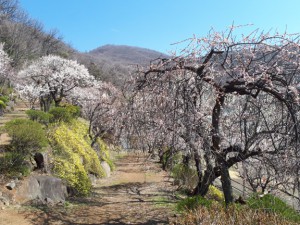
(60, 114)
(39, 116)
(13, 164)
(191, 203)
(169, 158)
(27, 136)
(2, 105)
(184, 176)
(65, 113)
(273, 204)
(6, 90)
(4, 99)
(72, 109)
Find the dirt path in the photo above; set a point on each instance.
(138, 192)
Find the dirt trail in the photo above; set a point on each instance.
(17, 113)
(138, 192)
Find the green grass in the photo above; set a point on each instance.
(272, 204)
(163, 202)
(191, 203)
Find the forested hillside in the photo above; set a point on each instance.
(26, 40)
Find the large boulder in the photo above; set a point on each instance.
(42, 188)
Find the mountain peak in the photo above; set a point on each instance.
(125, 54)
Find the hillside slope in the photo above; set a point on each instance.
(124, 54)
(115, 63)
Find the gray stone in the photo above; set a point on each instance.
(52, 187)
(106, 168)
(11, 185)
(93, 179)
(4, 201)
(43, 187)
(49, 201)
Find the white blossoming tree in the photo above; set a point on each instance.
(4, 65)
(102, 107)
(52, 78)
(4, 69)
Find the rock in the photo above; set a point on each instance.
(11, 185)
(43, 187)
(49, 201)
(106, 168)
(4, 201)
(93, 179)
(52, 187)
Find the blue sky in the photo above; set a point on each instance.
(156, 24)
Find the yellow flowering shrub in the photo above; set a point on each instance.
(74, 158)
(215, 193)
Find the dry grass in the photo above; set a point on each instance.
(233, 215)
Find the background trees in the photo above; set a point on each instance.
(224, 100)
(102, 105)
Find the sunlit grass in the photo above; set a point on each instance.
(268, 210)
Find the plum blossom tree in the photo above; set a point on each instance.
(4, 65)
(223, 100)
(52, 78)
(102, 106)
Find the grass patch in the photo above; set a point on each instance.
(191, 203)
(271, 204)
(164, 202)
(235, 215)
(268, 210)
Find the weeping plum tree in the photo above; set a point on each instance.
(102, 106)
(223, 100)
(52, 78)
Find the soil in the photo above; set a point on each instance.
(138, 192)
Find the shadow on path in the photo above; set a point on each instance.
(138, 192)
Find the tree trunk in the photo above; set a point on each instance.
(45, 103)
(203, 184)
(198, 164)
(57, 103)
(186, 159)
(226, 182)
(216, 143)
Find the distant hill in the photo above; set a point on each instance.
(115, 63)
(126, 54)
